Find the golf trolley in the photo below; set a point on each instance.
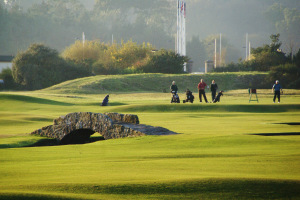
(175, 97)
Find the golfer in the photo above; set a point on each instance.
(174, 87)
(213, 89)
(201, 89)
(276, 90)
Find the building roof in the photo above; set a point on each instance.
(4, 58)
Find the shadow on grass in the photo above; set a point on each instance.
(281, 134)
(277, 134)
(195, 189)
(39, 119)
(28, 196)
(290, 123)
(47, 142)
(251, 108)
(110, 104)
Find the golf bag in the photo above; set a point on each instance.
(105, 101)
(218, 97)
(189, 96)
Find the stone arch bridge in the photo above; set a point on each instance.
(77, 127)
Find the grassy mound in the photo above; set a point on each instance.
(157, 83)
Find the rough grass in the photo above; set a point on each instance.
(230, 150)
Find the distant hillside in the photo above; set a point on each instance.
(158, 83)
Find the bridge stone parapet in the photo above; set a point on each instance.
(123, 118)
(78, 127)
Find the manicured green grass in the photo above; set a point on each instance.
(223, 150)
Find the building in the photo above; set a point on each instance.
(209, 66)
(5, 62)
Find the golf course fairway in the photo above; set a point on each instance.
(229, 150)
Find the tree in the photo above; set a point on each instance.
(63, 12)
(165, 61)
(130, 53)
(288, 74)
(268, 55)
(40, 66)
(90, 50)
(6, 76)
(297, 59)
(124, 58)
(275, 44)
(285, 21)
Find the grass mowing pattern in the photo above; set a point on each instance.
(29, 99)
(217, 156)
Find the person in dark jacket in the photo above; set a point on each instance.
(213, 89)
(174, 87)
(105, 100)
(276, 90)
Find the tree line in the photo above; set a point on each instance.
(59, 24)
(270, 58)
(40, 66)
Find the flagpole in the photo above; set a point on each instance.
(246, 46)
(183, 35)
(184, 31)
(249, 57)
(83, 38)
(177, 44)
(83, 41)
(215, 53)
(220, 49)
(180, 29)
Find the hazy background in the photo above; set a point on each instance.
(59, 24)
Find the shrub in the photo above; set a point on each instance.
(125, 58)
(6, 76)
(105, 68)
(91, 50)
(132, 70)
(165, 61)
(235, 67)
(39, 67)
(288, 74)
(297, 58)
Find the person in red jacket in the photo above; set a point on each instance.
(201, 89)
